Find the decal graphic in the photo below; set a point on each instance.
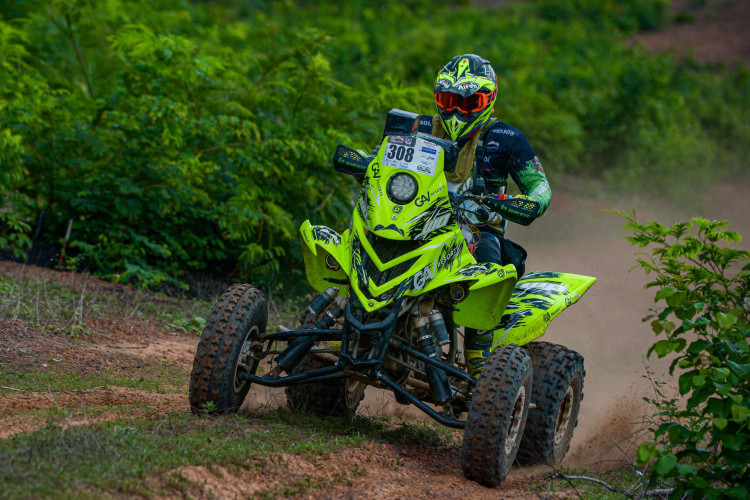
(435, 220)
(397, 209)
(325, 235)
(392, 227)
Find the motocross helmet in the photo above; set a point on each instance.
(465, 91)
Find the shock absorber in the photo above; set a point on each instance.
(298, 348)
(438, 379)
(438, 329)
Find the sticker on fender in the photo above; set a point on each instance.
(410, 153)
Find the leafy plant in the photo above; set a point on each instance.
(702, 441)
(183, 138)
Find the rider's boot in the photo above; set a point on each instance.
(477, 345)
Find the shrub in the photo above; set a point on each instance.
(702, 441)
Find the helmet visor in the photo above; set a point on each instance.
(478, 101)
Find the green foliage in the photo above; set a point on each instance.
(195, 137)
(703, 440)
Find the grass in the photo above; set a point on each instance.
(120, 456)
(62, 308)
(151, 376)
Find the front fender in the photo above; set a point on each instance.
(487, 297)
(318, 242)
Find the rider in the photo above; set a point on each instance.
(465, 92)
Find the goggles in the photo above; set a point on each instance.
(478, 101)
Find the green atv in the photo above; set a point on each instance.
(395, 289)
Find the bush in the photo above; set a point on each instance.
(195, 137)
(702, 442)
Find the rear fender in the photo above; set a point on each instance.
(318, 242)
(537, 299)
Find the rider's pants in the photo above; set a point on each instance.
(492, 247)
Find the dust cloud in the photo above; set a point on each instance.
(607, 325)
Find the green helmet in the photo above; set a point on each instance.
(465, 91)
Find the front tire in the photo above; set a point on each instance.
(497, 416)
(557, 394)
(229, 346)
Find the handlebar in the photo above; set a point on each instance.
(521, 210)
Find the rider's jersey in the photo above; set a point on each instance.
(503, 151)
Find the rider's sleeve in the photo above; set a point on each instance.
(527, 172)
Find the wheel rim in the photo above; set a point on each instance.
(515, 421)
(245, 360)
(563, 417)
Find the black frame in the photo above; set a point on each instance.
(369, 368)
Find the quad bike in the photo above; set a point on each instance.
(394, 288)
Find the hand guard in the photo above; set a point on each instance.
(520, 209)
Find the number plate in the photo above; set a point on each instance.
(411, 153)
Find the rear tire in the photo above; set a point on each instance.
(331, 398)
(228, 347)
(557, 394)
(497, 416)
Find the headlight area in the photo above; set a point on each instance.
(402, 188)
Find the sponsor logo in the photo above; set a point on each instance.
(396, 139)
(424, 169)
(422, 200)
(541, 288)
(452, 254)
(397, 209)
(445, 83)
(429, 150)
(546, 318)
(422, 278)
(468, 86)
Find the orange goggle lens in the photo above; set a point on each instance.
(448, 101)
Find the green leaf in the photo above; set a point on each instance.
(676, 298)
(664, 293)
(720, 422)
(685, 469)
(725, 321)
(645, 453)
(686, 382)
(665, 464)
(740, 413)
(741, 370)
(662, 348)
